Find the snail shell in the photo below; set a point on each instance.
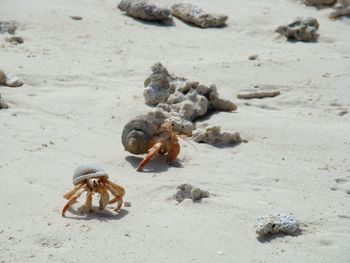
(138, 133)
(88, 171)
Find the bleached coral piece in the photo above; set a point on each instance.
(181, 102)
(188, 98)
(157, 85)
(179, 124)
(8, 27)
(301, 29)
(271, 224)
(144, 10)
(214, 136)
(343, 9)
(189, 106)
(194, 15)
(218, 103)
(188, 191)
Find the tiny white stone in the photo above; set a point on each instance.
(13, 81)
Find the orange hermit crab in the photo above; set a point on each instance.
(147, 134)
(93, 179)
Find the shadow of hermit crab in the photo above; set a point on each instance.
(93, 179)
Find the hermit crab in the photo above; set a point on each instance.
(151, 135)
(93, 179)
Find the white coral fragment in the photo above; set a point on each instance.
(157, 85)
(213, 135)
(301, 29)
(182, 102)
(8, 27)
(188, 191)
(188, 98)
(195, 15)
(271, 224)
(144, 10)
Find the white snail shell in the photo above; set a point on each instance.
(88, 171)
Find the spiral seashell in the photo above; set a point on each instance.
(138, 133)
(88, 171)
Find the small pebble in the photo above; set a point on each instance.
(13, 81)
(253, 57)
(3, 104)
(342, 113)
(15, 40)
(76, 17)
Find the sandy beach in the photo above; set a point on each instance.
(83, 81)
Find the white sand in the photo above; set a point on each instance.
(84, 81)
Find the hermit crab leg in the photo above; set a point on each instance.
(115, 199)
(69, 194)
(72, 199)
(173, 152)
(151, 153)
(88, 203)
(118, 198)
(104, 198)
(117, 187)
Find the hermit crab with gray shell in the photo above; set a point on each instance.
(151, 135)
(91, 178)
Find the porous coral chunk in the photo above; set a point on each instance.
(214, 136)
(188, 191)
(301, 29)
(182, 102)
(8, 27)
(195, 15)
(271, 224)
(144, 10)
(157, 85)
